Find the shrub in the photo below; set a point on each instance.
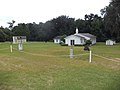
(63, 44)
(88, 42)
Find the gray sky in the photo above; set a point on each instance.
(28, 11)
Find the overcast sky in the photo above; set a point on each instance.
(28, 11)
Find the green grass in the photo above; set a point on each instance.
(44, 66)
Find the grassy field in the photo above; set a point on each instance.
(46, 66)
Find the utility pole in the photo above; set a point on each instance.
(11, 27)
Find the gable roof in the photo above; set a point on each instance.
(58, 37)
(87, 36)
(110, 40)
(20, 37)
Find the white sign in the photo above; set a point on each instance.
(20, 46)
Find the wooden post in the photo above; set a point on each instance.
(90, 57)
(11, 48)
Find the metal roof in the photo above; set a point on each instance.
(58, 37)
(87, 36)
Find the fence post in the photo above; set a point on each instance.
(10, 48)
(20, 46)
(71, 53)
(90, 57)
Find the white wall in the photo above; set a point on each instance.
(77, 40)
(15, 40)
(109, 42)
(93, 40)
(56, 40)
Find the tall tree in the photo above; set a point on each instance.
(97, 28)
(81, 25)
(112, 19)
(34, 30)
(64, 25)
(2, 36)
(48, 31)
(21, 30)
(7, 34)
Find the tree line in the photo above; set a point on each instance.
(104, 27)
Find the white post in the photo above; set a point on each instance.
(10, 48)
(71, 53)
(90, 57)
(20, 46)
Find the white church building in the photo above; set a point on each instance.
(79, 38)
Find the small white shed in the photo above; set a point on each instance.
(110, 42)
(57, 39)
